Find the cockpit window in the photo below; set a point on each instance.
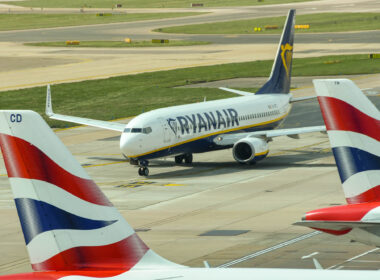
(147, 130)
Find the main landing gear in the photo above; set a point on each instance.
(143, 169)
(188, 158)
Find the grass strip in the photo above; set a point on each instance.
(130, 95)
(145, 3)
(119, 44)
(324, 22)
(32, 21)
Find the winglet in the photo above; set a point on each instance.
(49, 105)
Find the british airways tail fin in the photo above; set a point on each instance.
(67, 222)
(279, 80)
(353, 126)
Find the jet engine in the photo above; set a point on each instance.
(247, 150)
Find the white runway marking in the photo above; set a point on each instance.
(340, 265)
(270, 249)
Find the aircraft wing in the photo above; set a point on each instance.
(90, 122)
(230, 139)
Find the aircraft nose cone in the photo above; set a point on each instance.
(129, 144)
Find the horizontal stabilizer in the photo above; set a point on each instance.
(240, 92)
(299, 99)
(336, 225)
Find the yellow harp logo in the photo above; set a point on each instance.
(286, 55)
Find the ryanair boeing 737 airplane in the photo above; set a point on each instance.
(246, 123)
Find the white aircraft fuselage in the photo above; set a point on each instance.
(239, 273)
(192, 128)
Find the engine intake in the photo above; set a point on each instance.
(245, 150)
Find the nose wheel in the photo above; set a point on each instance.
(143, 169)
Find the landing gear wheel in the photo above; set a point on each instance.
(143, 171)
(188, 158)
(178, 159)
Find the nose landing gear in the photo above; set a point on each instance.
(143, 169)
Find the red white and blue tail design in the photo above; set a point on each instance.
(353, 127)
(68, 224)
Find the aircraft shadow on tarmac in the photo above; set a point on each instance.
(109, 159)
(199, 169)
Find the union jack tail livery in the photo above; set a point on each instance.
(353, 126)
(67, 222)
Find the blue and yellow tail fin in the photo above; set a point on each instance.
(279, 80)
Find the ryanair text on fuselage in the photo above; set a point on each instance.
(206, 121)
